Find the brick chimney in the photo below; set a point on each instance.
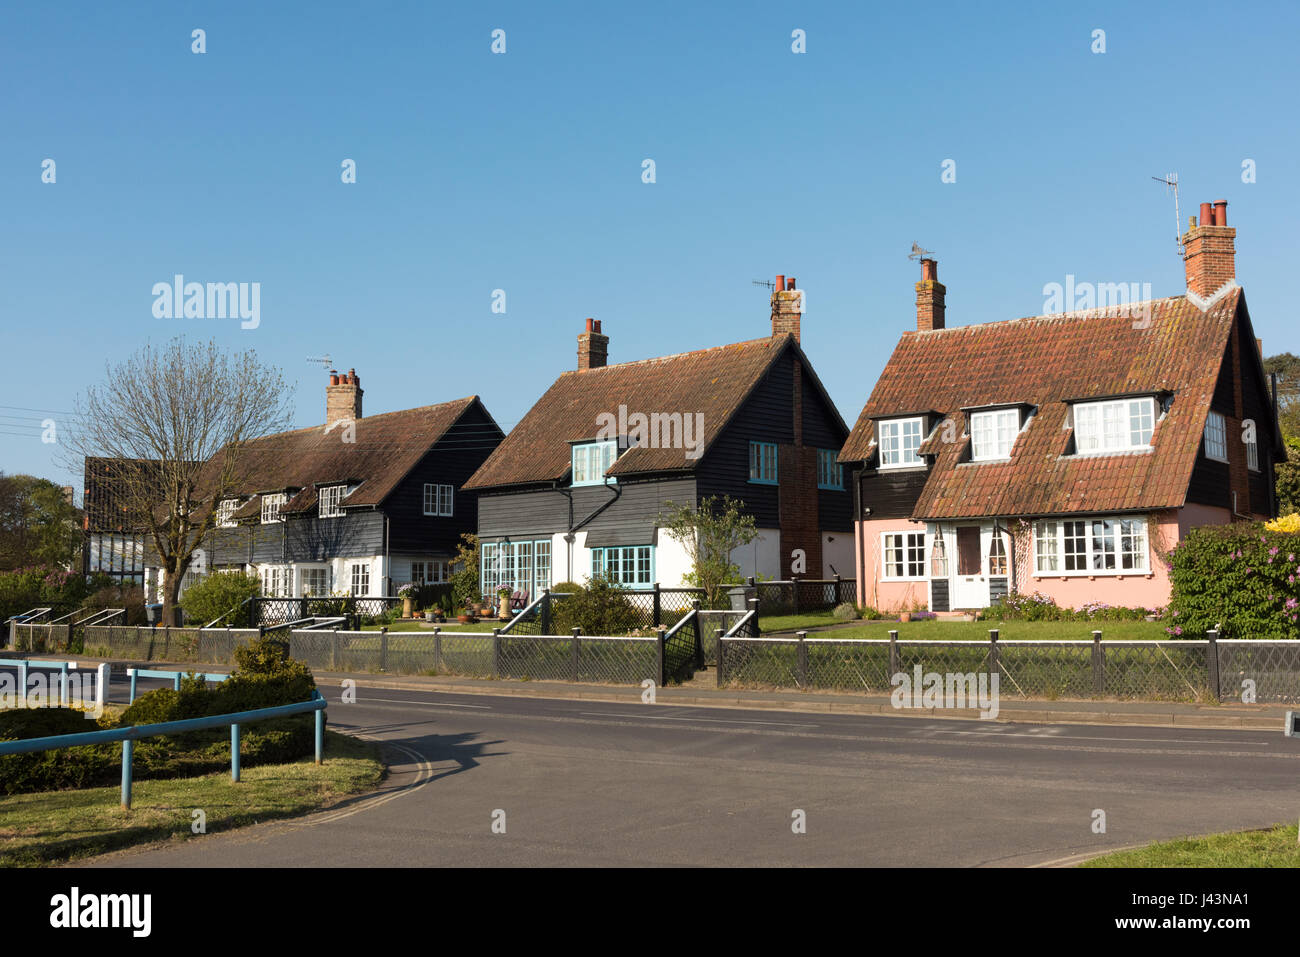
(343, 397)
(593, 347)
(1208, 250)
(929, 298)
(787, 307)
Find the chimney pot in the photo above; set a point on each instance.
(930, 308)
(780, 282)
(786, 317)
(789, 283)
(1209, 255)
(343, 397)
(593, 347)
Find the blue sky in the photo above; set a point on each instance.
(522, 172)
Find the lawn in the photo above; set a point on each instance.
(484, 625)
(1276, 847)
(771, 623)
(56, 826)
(936, 630)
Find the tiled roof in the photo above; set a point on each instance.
(1049, 361)
(713, 382)
(387, 447)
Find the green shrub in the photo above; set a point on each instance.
(81, 767)
(1241, 577)
(567, 588)
(600, 608)
(217, 595)
(845, 611)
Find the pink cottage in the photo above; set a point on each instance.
(1062, 454)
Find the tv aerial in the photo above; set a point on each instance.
(325, 360)
(764, 282)
(919, 253)
(1171, 184)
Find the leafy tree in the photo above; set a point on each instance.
(464, 575)
(1287, 367)
(38, 525)
(184, 413)
(710, 533)
(213, 596)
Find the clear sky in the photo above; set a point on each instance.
(522, 171)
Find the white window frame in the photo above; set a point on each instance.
(304, 571)
(331, 498)
(1096, 539)
(438, 499)
(431, 572)
(359, 575)
(271, 505)
(894, 436)
(993, 434)
(591, 460)
(226, 509)
(276, 580)
(907, 550)
(1216, 437)
(1114, 425)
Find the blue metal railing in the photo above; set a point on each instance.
(128, 736)
(173, 676)
(21, 665)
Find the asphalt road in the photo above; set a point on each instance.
(611, 784)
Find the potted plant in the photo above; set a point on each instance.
(503, 602)
(407, 593)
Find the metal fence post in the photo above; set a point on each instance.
(546, 611)
(1098, 664)
(754, 629)
(130, 673)
(837, 589)
(801, 660)
(573, 648)
(663, 667)
(496, 652)
(895, 661)
(176, 682)
(127, 748)
(437, 649)
(383, 648)
(656, 622)
(794, 589)
(699, 638)
(722, 674)
(334, 649)
(22, 683)
(63, 682)
(1212, 662)
(993, 652)
(320, 736)
(234, 752)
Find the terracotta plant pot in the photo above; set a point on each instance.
(905, 616)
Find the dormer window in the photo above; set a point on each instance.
(1116, 425)
(226, 512)
(271, 507)
(993, 434)
(900, 440)
(331, 497)
(591, 460)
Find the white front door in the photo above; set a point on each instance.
(970, 583)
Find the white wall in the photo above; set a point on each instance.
(762, 556)
(837, 551)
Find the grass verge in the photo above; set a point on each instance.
(58, 826)
(1275, 847)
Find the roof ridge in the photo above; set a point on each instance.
(366, 418)
(674, 355)
(1106, 312)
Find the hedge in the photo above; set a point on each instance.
(1243, 578)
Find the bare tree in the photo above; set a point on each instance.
(178, 418)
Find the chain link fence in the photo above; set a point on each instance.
(1188, 671)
